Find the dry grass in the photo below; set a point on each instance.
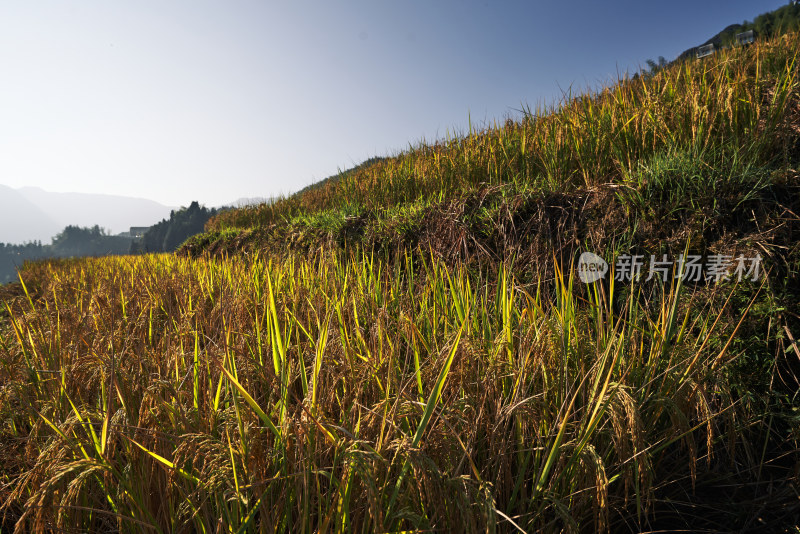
(174, 395)
(412, 390)
(738, 106)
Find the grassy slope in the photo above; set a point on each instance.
(338, 176)
(401, 373)
(708, 145)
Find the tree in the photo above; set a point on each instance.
(169, 235)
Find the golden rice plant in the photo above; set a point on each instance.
(737, 103)
(350, 393)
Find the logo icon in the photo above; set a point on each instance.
(591, 267)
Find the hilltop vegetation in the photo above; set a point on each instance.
(785, 19)
(169, 234)
(409, 348)
(338, 176)
(710, 146)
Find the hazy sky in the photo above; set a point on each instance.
(180, 100)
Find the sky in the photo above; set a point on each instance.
(181, 100)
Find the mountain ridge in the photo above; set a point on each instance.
(115, 213)
(17, 212)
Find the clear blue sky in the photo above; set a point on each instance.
(177, 100)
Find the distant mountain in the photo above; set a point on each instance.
(31, 213)
(22, 220)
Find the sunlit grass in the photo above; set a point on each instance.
(382, 385)
(165, 394)
(731, 107)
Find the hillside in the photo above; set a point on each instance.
(702, 156)
(783, 20)
(452, 339)
(709, 147)
(18, 212)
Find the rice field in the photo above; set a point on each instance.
(332, 395)
(734, 111)
(337, 386)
